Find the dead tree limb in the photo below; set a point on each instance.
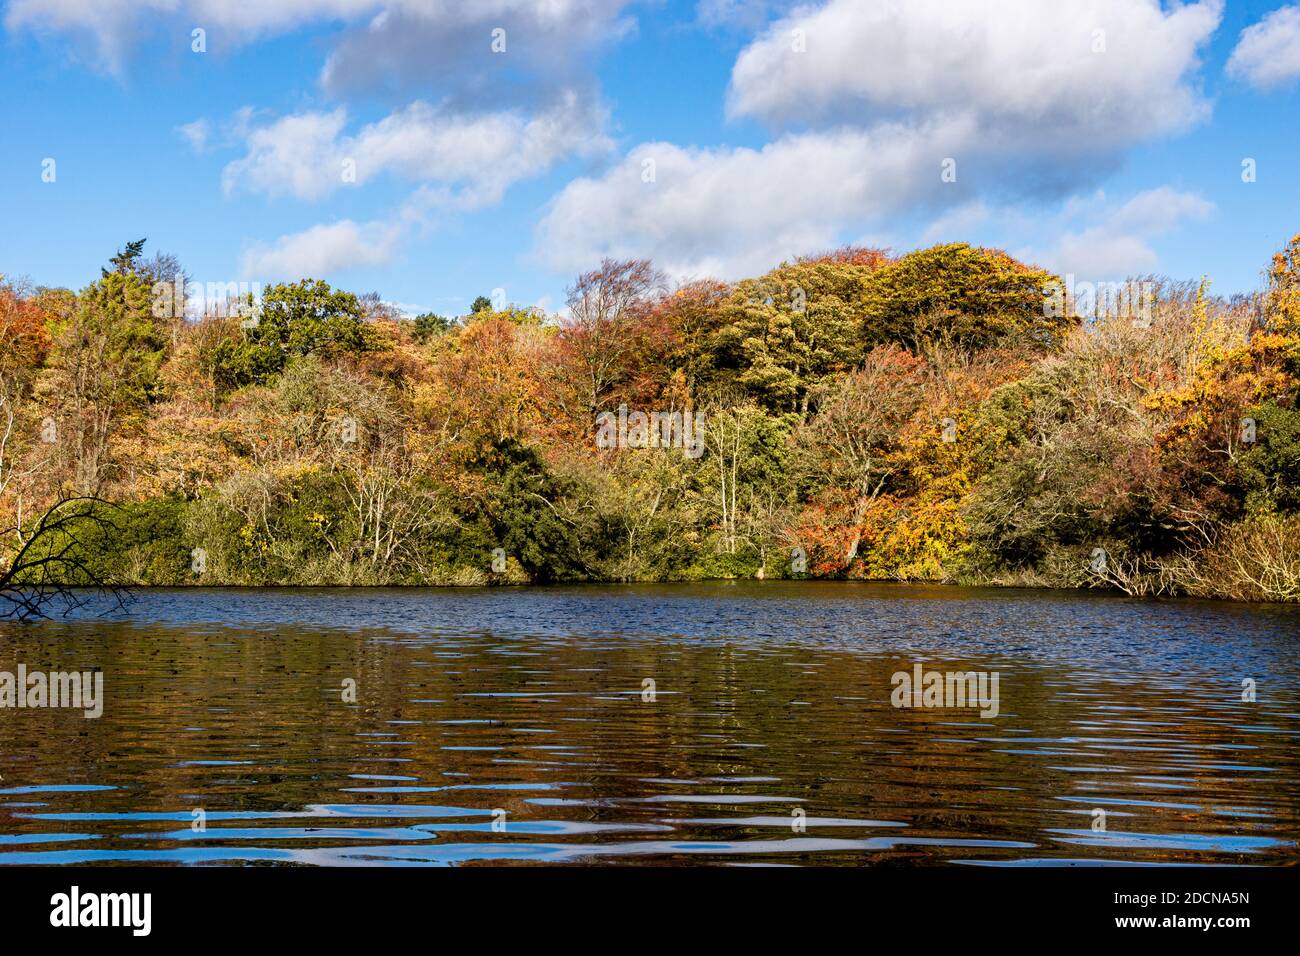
(50, 567)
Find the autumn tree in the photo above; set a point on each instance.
(791, 330)
(484, 383)
(1227, 446)
(743, 476)
(126, 261)
(103, 371)
(606, 326)
(429, 325)
(691, 316)
(851, 445)
(970, 296)
(302, 318)
(932, 416)
(1283, 298)
(24, 345)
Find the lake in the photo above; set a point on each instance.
(719, 723)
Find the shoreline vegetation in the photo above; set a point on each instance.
(950, 415)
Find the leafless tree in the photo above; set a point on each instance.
(604, 308)
(49, 567)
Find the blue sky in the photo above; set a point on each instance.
(1096, 137)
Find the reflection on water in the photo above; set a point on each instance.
(515, 726)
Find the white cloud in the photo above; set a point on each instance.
(323, 250)
(394, 43)
(733, 212)
(197, 134)
(472, 158)
(1105, 242)
(447, 45)
(252, 18)
(1268, 53)
(297, 155)
(1026, 69)
(1029, 98)
(461, 162)
(1015, 90)
(957, 223)
(109, 24)
(1096, 254)
(1159, 211)
(114, 25)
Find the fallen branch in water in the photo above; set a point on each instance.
(50, 565)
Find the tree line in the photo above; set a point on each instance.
(942, 415)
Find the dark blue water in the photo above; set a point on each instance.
(716, 723)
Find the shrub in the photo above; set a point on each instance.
(1254, 560)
